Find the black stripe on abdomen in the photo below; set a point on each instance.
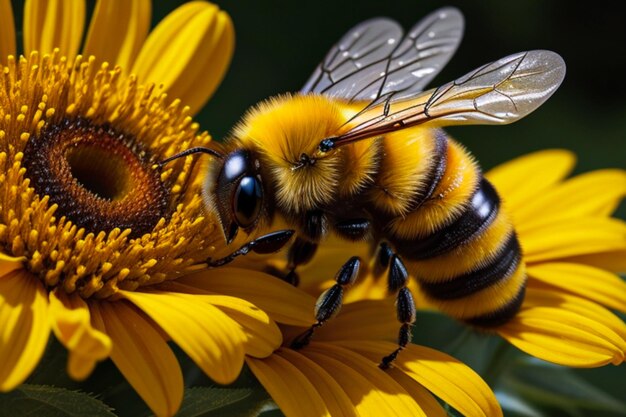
(501, 315)
(500, 267)
(479, 214)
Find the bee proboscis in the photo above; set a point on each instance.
(359, 152)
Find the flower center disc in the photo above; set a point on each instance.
(100, 179)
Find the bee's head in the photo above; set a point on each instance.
(235, 191)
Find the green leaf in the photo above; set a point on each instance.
(213, 402)
(272, 413)
(514, 405)
(556, 386)
(42, 400)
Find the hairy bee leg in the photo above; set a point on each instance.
(330, 301)
(405, 306)
(300, 253)
(384, 257)
(266, 244)
(353, 229)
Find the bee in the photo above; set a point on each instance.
(359, 152)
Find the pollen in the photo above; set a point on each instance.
(101, 179)
(82, 199)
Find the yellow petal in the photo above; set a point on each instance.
(71, 323)
(369, 287)
(372, 390)
(9, 264)
(335, 399)
(79, 367)
(596, 193)
(363, 320)
(280, 300)
(7, 31)
(585, 281)
(333, 395)
(316, 275)
(550, 332)
(572, 237)
(447, 378)
(117, 31)
(614, 261)
(188, 52)
(262, 334)
(550, 297)
(529, 176)
(422, 396)
(50, 24)
(210, 338)
(141, 355)
(291, 389)
(25, 327)
(555, 341)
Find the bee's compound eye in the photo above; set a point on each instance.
(247, 201)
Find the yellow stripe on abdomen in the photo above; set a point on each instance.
(447, 202)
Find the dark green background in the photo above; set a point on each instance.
(279, 43)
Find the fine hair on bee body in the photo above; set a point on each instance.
(360, 152)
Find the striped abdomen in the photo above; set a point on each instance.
(458, 242)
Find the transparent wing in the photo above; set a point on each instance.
(373, 59)
(497, 93)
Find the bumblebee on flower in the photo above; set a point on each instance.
(102, 249)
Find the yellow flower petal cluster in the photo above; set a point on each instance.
(96, 291)
(573, 250)
(84, 125)
(337, 374)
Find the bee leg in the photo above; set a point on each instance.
(269, 243)
(329, 303)
(384, 257)
(353, 229)
(405, 306)
(301, 252)
(313, 227)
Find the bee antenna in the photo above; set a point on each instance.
(191, 151)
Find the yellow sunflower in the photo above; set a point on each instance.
(573, 250)
(90, 227)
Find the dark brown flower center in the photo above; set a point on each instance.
(101, 179)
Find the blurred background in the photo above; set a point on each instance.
(279, 43)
